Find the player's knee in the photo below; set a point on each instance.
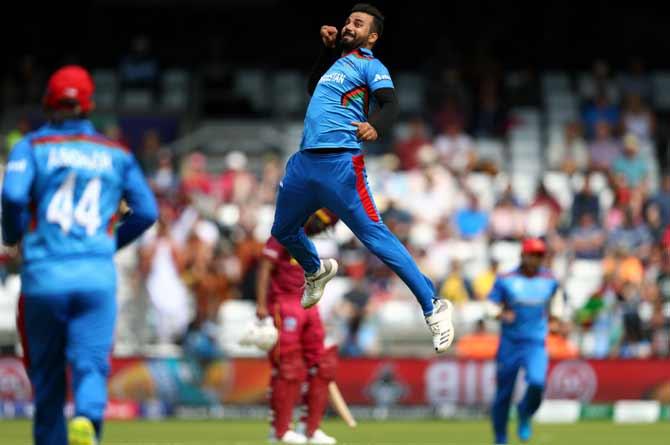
(86, 366)
(327, 366)
(291, 367)
(284, 236)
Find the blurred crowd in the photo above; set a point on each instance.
(458, 212)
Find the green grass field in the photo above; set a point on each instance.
(178, 432)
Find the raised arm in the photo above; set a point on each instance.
(325, 59)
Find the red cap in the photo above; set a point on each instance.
(70, 83)
(533, 246)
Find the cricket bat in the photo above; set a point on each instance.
(340, 405)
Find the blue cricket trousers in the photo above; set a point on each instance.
(58, 330)
(338, 182)
(512, 356)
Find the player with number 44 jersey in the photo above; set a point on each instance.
(60, 198)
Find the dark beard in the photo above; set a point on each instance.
(352, 45)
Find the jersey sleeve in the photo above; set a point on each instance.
(377, 76)
(16, 187)
(272, 250)
(143, 207)
(498, 294)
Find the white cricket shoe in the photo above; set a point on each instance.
(315, 283)
(321, 438)
(440, 325)
(289, 436)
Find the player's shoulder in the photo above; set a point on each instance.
(546, 273)
(101, 139)
(512, 273)
(362, 58)
(48, 135)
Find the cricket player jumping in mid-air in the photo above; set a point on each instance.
(329, 170)
(60, 195)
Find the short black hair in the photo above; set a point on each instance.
(367, 8)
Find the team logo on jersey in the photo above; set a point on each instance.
(18, 166)
(379, 77)
(333, 77)
(290, 324)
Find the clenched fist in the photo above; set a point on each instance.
(329, 36)
(365, 132)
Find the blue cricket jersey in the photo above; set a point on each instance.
(529, 298)
(342, 96)
(60, 194)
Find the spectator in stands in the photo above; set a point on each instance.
(204, 270)
(113, 131)
(507, 219)
(484, 280)
(623, 266)
(148, 152)
(631, 164)
(636, 81)
(479, 344)
(272, 173)
(195, 178)
(571, 154)
(456, 287)
(471, 221)
(638, 119)
(663, 280)
(559, 346)
(361, 337)
(407, 149)
(652, 217)
(600, 82)
(162, 262)
(543, 214)
(164, 181)
(455, 148)
(616, 214)
(635, 341)
(451, 112)
(598, 316)
(662, 199)
(490, 114)
(585, 201)
(139, 68)
(587, 240)
(236, 184)
(600, 110)
(633, 236)
(604, 149)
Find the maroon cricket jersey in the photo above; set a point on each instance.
(287, 278)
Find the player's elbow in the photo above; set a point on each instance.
(13, 198)
(147, 216)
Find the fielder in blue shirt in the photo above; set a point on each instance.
(523, 301)
(353, 101)
(61, 193)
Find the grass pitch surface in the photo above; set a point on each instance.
(230, 432)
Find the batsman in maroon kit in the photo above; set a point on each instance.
(299, 354)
